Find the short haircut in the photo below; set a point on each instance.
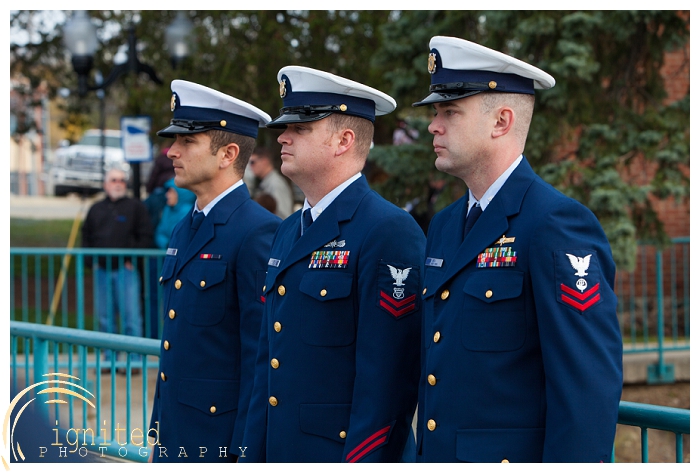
(363, 128)
(245, 144)
(112, 170)
(263, 152)
(522, 104)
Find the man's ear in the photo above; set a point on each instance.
(505, 118)
(345, 141)
(230, 152)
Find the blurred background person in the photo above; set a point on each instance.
(118, 221)
(271, 181)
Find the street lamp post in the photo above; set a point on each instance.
(80, 38)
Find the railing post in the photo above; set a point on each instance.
(660, 373)
(41, 367)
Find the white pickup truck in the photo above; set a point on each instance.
(79, 168)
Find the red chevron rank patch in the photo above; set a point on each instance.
(590, 297)
(397, 308)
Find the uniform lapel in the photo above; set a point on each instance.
(492, 224)
(327, 226)
(219, 215)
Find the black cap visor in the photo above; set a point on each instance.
(446, 96)
(303, 117)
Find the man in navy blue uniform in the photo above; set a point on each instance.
(212, 281)
(337, 372)
(522, 356)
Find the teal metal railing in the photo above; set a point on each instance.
(57, 286)
(647, 416)
(41, 346)
(37, 350)
(654, 305)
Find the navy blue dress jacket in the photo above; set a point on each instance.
(212, 290)
(339, 359)
(521, 350)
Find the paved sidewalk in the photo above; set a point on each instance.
(50, 208)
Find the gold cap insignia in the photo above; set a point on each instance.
(343, 107)
(283, 88)
(432, 63)
(172, 103)
(222, 123)
(492, 84)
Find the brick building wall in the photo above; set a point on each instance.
(638, 291)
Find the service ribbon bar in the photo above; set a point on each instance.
(497, 258)
(329, 259)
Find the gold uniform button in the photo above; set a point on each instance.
(425, 289)
(212, 409)
(171, 313)
(431, 425)
(489, 294)
(273, 401)
(166, 345)
(445, 294)
(178, 284)
(505, 460)
(342, 434)
(202, 283)
(436, 337)
(264, 288)
(323, 293)
(275, 363)
(281, 290)
(432, 380)
(278, 327)
(162, 376)
(160, 279)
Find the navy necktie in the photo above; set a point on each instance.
(474, 214)
(306, 220)
(197, 219)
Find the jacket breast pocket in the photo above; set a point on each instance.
(328, 315)
(494, 311)
(208, 289)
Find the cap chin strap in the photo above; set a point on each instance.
(195, 124)
(459, 86)
(310, 109)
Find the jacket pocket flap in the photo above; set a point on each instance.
(324, 286)
(493, 286)
(211, 396)
(497, 445)
(206, 273)
(325, 420)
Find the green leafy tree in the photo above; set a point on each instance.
(606, 116)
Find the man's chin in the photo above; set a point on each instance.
(117, 196)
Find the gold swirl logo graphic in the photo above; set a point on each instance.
(51, 390)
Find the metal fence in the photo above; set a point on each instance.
(58, 286)
(37, 350)
(103, 398)
(654, 304)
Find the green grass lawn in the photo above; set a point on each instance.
(41, 233)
